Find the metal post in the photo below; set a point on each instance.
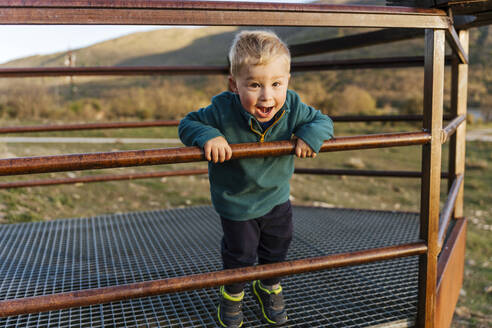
(459, 86)
(431, 172)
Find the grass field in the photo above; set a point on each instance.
(48, 203)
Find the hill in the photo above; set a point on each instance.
(101, 98)
(133, 49)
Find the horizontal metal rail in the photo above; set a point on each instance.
(362, 173)
(354, 41)
(150, 175)
(74, 162)
(86, 126)
(380, 118)
(383, 36)
(214, 5)
(112, 70)
(448, 209)
(365, 63)
(100, 178)
(451, 128)
(144, 12)
(143, 124)
(204, 280)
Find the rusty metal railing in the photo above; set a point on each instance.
(451, 128)
(86, 126)
(167, 123)
(434, 22)
(161, 174)
(73, 162)
(142, 12)
(448, 209)
(204, 280)
(100, 178)
(367, 63)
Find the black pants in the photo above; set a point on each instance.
(267, 237)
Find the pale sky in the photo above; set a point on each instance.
(19, 41)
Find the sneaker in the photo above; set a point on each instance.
(271, 303)
(229, 311)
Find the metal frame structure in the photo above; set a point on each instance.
(441, 260)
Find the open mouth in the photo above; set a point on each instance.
(265, 110)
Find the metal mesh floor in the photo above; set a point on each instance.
(73, 254)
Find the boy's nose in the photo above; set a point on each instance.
(266, 94)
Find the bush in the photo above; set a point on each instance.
(27, 101)
(354, 100)
(316, 90)
(412, 105)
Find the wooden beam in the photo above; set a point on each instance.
(354, 41)
(431, 173)
(142, 12)
(457, 146)
(455, 43)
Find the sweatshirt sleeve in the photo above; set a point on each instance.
(312, 126)
(199, 127)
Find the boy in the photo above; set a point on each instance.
(252, 195)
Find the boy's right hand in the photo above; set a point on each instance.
(217, 150)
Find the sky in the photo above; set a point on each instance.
(19, 41)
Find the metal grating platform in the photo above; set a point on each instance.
(73, 254)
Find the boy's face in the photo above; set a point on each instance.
(262, 88)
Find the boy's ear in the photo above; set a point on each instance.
(232, 84)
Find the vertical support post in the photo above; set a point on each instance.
(431, 175)
(459, 89)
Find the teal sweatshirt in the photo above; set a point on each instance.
(248, 188)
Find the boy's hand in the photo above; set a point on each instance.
(217, 150)
(303, 150)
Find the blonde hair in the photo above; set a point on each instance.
(256, 48)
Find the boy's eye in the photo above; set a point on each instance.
(276, 84)
(254, 85)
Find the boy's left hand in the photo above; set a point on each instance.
(303, 150)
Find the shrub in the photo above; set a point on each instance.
(354, 100)
(413, 105)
